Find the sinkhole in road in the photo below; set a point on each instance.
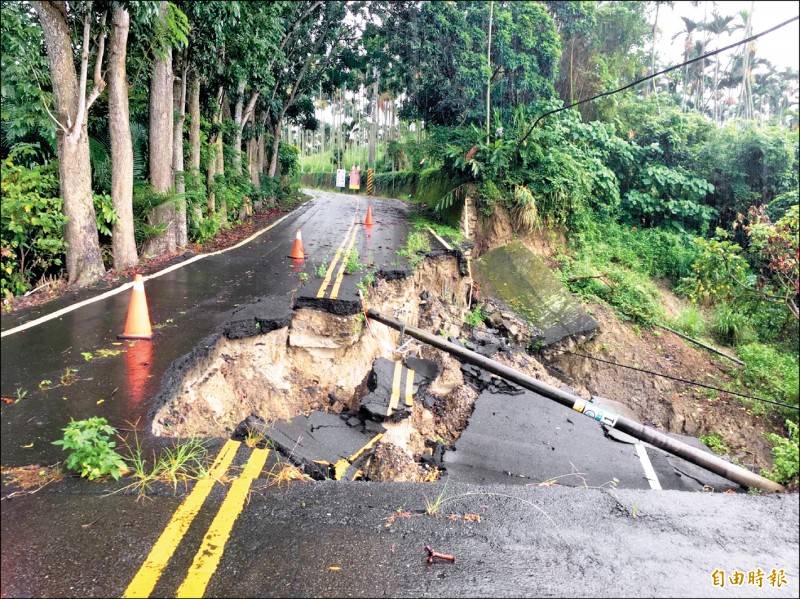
(317, 371)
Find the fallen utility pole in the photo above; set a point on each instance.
(649, 435)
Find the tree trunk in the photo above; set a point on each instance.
(237, 135)
(194, 126)
(161, 130)
(373, 130)
(212, 167)
(122, 239)
(179, 91)
(194, 137)
(223, 204)
(212, 163)
(273, 161)
(84, 260)
(254, 172)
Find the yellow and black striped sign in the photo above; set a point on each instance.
(370, 188)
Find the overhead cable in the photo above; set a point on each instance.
(667, 70)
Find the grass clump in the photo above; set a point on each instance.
(417, 245)
(475, 317)
(691, 322)
(352, 265)
(715, 443)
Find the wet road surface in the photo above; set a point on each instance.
(336, 539)
(185, 306)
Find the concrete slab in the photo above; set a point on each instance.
(261, 316)
(393, 386)
(520, 279)
(325, 445)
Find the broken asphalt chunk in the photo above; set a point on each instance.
(258, 317)
(393, 386)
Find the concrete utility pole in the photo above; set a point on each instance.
(649, 435)
(489, 77)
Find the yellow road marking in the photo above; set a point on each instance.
(147, 576)
(395, 397)
(329, 273)
(409, 387)
(340, 468)
(208, 556)
(340, 275)
(372, 442)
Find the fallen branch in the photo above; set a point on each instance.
(581, 277)
(703, 345)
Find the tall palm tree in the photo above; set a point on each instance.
(688, 44)
(717, 26)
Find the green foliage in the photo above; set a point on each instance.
(92, 454)
(720, 272)
(627, 260)
(417, 245)
(770, 372)
(748, 164)
(352, 265)
(32, 241)
(26, 73)
(475, 317)
(715, 443)
(488, 197)
(731, 326)
(670, 196)
(691, 322)
(105, 215)
(786, 456)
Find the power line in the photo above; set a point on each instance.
(680, 380)
(667, 70)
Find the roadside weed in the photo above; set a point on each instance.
(475, 317)
(253, 438)
(352, 265)
(183, 462)
(321, 270)
(92, 454)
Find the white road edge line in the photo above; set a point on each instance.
(120, 289)
(649, 472)
(440, 240)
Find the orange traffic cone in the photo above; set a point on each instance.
(368, 221)
(297, 248)
(138, 324)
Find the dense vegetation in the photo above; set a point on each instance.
(690, 178)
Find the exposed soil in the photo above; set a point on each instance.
(226, 238)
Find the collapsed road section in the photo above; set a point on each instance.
(342, 397)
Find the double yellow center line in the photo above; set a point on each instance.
(210, 552)
(348, 241)
(394, 398)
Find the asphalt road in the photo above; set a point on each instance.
(185, 306)
(338, 539)
(251, 537)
